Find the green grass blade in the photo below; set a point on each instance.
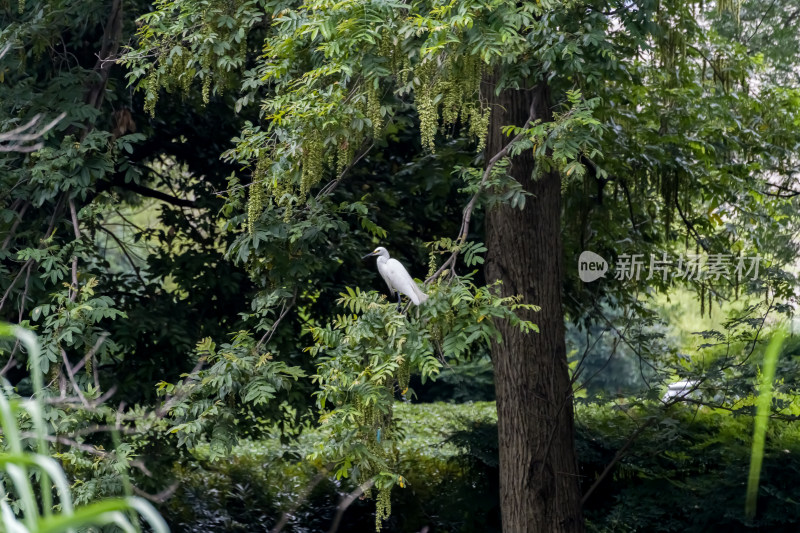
(16, 464)
(105, 512)
(8, 420)
(35, 409)
(9, 521)
(149, 513)
(22, 484)
(28, 339)
(763, 406)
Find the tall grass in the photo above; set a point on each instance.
(763, 406)
(20, 466)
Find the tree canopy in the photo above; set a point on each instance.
(188, 187)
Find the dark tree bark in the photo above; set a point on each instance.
(539, 484)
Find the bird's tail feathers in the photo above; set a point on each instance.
(421, 296)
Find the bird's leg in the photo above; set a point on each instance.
(399, 301)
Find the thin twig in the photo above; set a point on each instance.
(161, 497)
(617, 456)
(13, 228)
(90, 353)
(287, 306)
(27, 264)
(71, 376)
(690, 227)
(331, 186)
(302, 498)
(760, 22)
(790, 193)
(125, 252)
(73, 294)
(11, 361)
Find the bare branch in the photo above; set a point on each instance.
(152, 193)
(71, 375)
(85, 448)
(617, 456)
(11, 361)
(125, 251)
(467, 215)
(14, 140)
(14, 226)
(347, 501)
(790, 193)
(90, 353)
(331, 186)
(73, 292)
(161, 497)
(27, 264)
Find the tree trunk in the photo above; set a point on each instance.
(539, 484)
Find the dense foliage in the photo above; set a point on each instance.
(685, 473)
(186, 240)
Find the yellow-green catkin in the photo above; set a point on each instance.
(344, 154)
(383, 508)
(151, 93)
(433, 265)
(205, 62)
(179, 75)
(426, 104)
(374, 108)
(479, 116)
(388, 50)
(451, 87)
(404, 375)
(255, 202)
(313, 162)
(404, 72)
(243, 49)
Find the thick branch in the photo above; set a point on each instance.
(467, 214)
(106, 58)
(790, 193)
(151, 193)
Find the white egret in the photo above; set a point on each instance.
(397, 277)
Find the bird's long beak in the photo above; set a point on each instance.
(368, 255)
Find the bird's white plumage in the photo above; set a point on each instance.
(397, 277)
